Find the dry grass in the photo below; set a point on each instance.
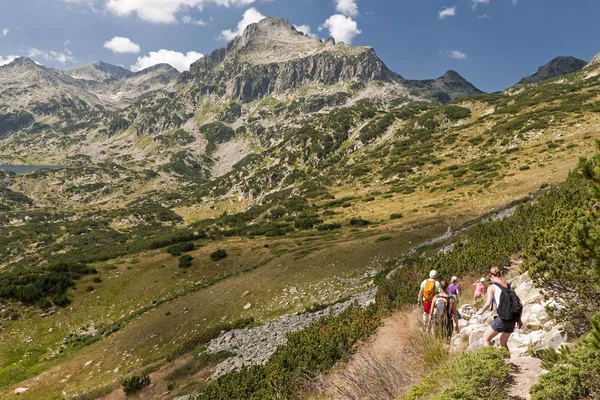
(396, 358)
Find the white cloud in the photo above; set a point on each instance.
(163, 11)
(515, 2)
(459, 55)
(347, 7)
(177, 60)
(341, 28)
(188, 19)
(5, 32)
(60, 56)
(251, 16)
(447, 12)
(475, 3)
(120, 44)
(66, 43)
(7, 60)
(305, 29)
(484, 16)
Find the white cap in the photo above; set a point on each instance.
(433, 274)
(482, 279)
(453, 279)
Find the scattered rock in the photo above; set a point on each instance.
(247, 306)
(88, 363)
(255, 346)
(21, 390)
(538, 330)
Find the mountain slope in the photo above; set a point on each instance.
(558, 66)
(97, 71)
(308, 190)
(449, 87)
(261, 86)
(28, 86)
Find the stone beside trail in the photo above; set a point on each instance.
(538, 332)
(254, 346)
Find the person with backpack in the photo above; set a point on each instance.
(508, 308)
(444, 312)
(429, 288)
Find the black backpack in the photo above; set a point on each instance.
(510, 307)
(441, 315)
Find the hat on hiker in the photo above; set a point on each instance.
(482, 279)
(433, 274)
(454, 279)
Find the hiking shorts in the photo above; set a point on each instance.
(502, 326)
(427, 306)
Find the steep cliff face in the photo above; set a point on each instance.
(273, 57)
(559, 66)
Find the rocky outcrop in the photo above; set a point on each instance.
(538, 332)
(255, 346)
(273, 57)
(557, 67)
(594, 61)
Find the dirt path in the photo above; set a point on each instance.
(525, 371)
(381, 368)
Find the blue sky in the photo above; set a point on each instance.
(493, 43)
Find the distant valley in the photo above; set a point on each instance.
(292, 172)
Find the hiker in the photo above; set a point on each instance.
(443, 312)
(479, 289)
(508, 309)
(454, 288)
(429, 288)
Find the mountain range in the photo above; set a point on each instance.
(237, 105)
(278, 175)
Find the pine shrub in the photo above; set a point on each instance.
(185, 261)
(135, 384)
(218, 255)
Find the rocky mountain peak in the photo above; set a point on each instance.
(452, 76)
(559, 66)
(24, 62)
(98, 71)
(446, 88)
(273, 40)
(163, 67)
(271, 56)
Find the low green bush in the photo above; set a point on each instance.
(306, 354)
(329, 227)
(185, 261)
(481, 374)
(176, 249)
(359, 222)
(135, 384)
(574, 374)
(218, 255)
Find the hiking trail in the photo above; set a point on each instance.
(524, 372)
